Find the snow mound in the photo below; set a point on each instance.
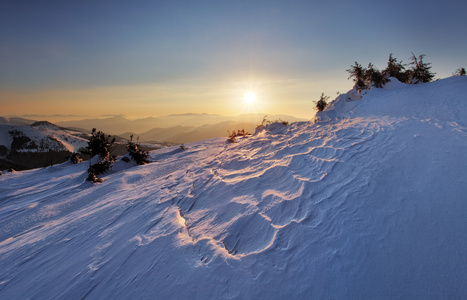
(368, 202)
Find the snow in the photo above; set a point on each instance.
(368, 202)
(47, 137)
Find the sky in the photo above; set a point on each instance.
(152, 58)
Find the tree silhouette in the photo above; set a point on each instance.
(375, 77)
(357, 73)
(420, 71)
(322, 102)
(101, 145)
(396, 69)
(460, 72)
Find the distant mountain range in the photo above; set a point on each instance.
(189, 134)
(26, 143)
(176, 128)
(16, 121)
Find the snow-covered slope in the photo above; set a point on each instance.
(40, 137)
(370, 202)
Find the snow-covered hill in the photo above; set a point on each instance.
(37, 145)
(370, 202)
(40, 137)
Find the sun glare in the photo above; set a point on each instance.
(249, 98)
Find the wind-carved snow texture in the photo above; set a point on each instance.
(259, 188)
(368, 202)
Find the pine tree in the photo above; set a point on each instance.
(396, 69)
(140, 156)
(375, 77)
(322, 102)
(420, 71)
(101, 145)
(357, 72)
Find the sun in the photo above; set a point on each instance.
(249, 97)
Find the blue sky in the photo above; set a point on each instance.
(143, 58)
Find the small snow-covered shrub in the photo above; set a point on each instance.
(279, 121)
(260, 126)
(322, 102)
(75, 158)
(266, 121)
(99, 145)
(141, 157)
(97, 169)
(460, 72)
(232, 136)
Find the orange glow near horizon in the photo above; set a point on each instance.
(268, 95)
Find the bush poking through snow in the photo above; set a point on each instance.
(322, 102)
(141, 157)
(232, 136)
(266, 121)
(75, 158)
(278, 121)
(97, 169)
(460, 72)
(99, 145)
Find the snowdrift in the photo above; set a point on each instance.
(369, 202)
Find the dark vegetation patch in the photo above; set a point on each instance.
(32, 160)
(234, 134)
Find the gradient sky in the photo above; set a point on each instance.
(150, 58)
